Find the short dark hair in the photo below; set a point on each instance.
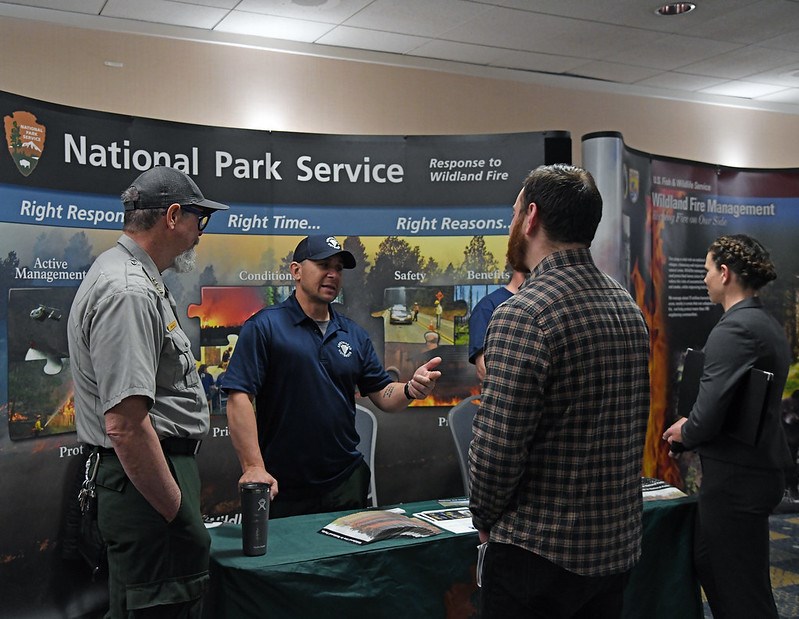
(746, 257)
(568, 201)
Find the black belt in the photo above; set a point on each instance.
(181, 446)
(173, 445)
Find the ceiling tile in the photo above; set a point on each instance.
(221, 4)
(614, 72)
(789, 42)
(633, 13)
(165, 12)
(331, 12)
(786, 76)
(374, 40)
(272, 27)
(90, 7)
(535, 32)
(680, 81)
(461, 52)
(741, 63)
(426, 18)
(532, 61)
(671, 51)
(740, 88)
(789, 95)
(750, 23)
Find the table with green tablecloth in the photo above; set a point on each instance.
(306, 574)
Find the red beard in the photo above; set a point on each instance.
(517, 247)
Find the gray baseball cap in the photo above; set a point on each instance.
(163, 186)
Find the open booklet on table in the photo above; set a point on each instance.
(375, 525)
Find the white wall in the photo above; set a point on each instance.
(220, 85)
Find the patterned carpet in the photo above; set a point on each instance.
(784, 564)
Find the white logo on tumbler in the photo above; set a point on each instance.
(261, 505)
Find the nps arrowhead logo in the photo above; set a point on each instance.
(25, 138)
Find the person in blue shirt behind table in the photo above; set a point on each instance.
(481, 315)
(301, 363)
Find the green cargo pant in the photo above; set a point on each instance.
(155, 568)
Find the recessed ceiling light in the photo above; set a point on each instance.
(675, 8)
(114, 64)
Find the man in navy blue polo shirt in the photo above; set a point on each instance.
(301, 362)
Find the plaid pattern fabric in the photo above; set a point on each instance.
(558, 440)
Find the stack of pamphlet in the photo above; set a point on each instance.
(653, 489)
(453, 520)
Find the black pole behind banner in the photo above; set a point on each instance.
(557, 148)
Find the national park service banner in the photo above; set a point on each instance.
(425, 216)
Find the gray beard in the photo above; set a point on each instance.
(186, 261)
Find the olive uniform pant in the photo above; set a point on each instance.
(155, 568)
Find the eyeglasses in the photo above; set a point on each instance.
(204, 216)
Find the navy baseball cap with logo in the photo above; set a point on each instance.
(162, 186)
(320, 247)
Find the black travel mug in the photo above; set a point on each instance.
(254, 517)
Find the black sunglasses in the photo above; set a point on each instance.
(204, 216)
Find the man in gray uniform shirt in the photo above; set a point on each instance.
(139, 399)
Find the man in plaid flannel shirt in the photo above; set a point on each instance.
(558, 440)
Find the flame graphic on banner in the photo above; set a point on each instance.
(227, 306)
(64, 417)
(433, 400)
(657, 462)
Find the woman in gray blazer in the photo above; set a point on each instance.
(741, 483)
